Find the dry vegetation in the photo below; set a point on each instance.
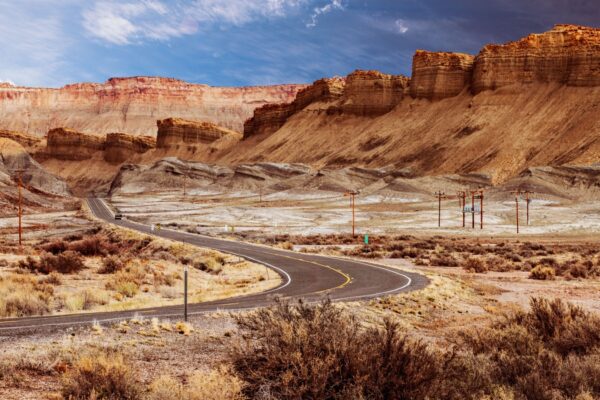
(545, 261)
(551, 351)
(110, 268)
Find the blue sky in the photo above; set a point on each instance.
(251, 42)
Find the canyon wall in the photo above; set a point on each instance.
(449, 117)
(174, 132)
(567, 54)
(120, 147)
(440, 75)
(70, 145)
(132, 105)
(371, 93)
(270, 117)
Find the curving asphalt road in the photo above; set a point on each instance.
(306, 276)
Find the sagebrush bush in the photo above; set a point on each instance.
(474, 264)
(67, 262)
(542, 272)
(111, 264)
(318, 352)
(101, 374)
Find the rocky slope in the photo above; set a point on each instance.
(132, 105)
(41, 190)
(532, 102)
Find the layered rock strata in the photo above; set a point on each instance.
(372, 93)
(132, 105)
(70, 145)
(440, 75)
(567, 54)
(120, 147)
(174, 132)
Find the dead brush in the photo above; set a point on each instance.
(319, 352)
(101, 374)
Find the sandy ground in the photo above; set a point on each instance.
(314, 212)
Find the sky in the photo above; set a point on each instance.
(51, 43)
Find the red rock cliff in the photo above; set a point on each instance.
(120, 147)
(372, 93)
(174, 132)
(68, 144)
(438, 75)
(132, 105)
(271, 117)
(567, 54)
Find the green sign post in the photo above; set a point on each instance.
(366, 238)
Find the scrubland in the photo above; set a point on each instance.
(114, 269)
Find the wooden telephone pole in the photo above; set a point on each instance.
(477, 195)
(20, 210)
(517, 193)
(440, 195)
(527, 201)
(352, 194)
(462, 201)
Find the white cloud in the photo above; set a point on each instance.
(317, 11)
(401, 26)
(122, 23)
(33, 43)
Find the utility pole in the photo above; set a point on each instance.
(352, 194)
(517, 193)
(440, 195)
(462, 200)
(473, 209)
(477, 194)
(20, 211)
(527, 201)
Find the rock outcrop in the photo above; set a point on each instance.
(120, 147)
(174, 132)
(69, 145)
(132, 105)
(567, 54)
(371, 93)
(438, 75)
(23, 139)
(270, 117)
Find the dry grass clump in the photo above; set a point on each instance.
(542, 273)
(475, 264)
(218, 384)
(550, 352)
(127, 282)
(68, 262)
(99, 374)
(22, 295)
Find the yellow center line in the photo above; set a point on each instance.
(346, 276)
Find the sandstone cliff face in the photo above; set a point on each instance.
(132, 105)
(371, 93)
(69, 145)
(174, 132)
(120, 147)
(23, 139)
(437, 75)
(270, 117)
(567, 55)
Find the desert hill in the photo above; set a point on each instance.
(131, 105)
(533, 102)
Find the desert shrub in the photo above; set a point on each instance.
(67, 262)
(218, 384)
(473, 264)
(111, 264)
(542, 272)
(127, 289)
(55, 247)
(208, 264)
(90, 246)
(549, 352)
(160, 278)
(53, 278)
(318, 352)
(498, 264)
(22, 304)
(444, 260)
(168, 292)
(101, 375)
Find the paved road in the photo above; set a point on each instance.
(307, 276)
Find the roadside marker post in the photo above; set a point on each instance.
(185, 293)
(366, 238)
